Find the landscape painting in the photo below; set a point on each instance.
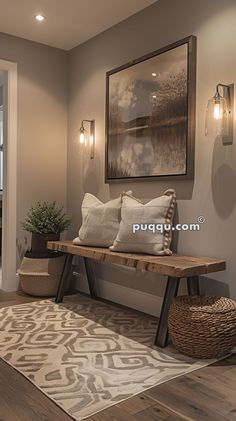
(148, 116)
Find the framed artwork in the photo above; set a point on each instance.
(150, 115)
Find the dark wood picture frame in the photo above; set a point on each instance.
(191, 42)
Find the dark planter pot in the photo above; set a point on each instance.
(39, 242)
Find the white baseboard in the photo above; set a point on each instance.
(138, 300)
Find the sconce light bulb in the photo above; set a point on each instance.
(217, 111)
(81, 138)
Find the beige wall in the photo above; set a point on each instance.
(213, 193)
(42, 124)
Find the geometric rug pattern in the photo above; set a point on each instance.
(87, 355)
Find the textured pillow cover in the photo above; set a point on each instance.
(158, 211)
(100, 221)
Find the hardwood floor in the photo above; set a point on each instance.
(206, 394)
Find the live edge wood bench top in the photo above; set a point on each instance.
(175, 265)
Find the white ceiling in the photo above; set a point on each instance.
(68, 22)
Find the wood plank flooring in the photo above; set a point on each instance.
(206, 394)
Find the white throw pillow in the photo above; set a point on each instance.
(100, 221)
(138, 231)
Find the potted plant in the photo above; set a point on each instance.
(45, 221)
(40, 268)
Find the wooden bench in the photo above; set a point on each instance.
(174, 267)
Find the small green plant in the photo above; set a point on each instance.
(46, 218)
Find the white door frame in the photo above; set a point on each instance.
(9, 279)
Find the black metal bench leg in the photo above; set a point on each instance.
(91, 277)
(193, 285)
(162, 329)
(64, 276)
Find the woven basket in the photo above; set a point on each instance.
(40, 277)
(203, 326)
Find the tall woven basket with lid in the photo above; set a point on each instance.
(203, 326)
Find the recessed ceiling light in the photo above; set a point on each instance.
(154, 74)
(40, 18)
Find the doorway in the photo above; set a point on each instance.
(1, 164)
(8, 162)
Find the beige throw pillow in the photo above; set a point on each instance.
(100, 221)
(142, 228)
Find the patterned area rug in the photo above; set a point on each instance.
(86, 355)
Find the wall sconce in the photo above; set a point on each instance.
(219, 113)
(91, 140)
